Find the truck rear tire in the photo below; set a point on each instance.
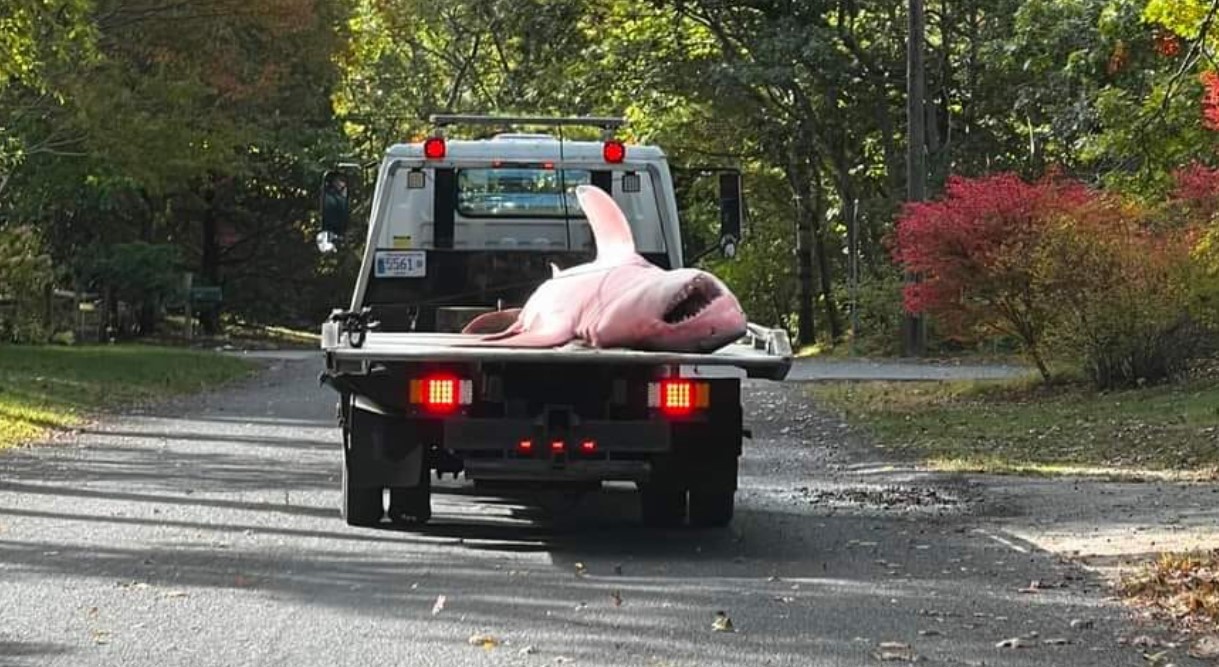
(361, 505)
(662, 505)
(711, 508)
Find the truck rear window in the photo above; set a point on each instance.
(515, 192)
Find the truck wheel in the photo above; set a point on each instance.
(662, 505)
(711, 508)
(361, 505)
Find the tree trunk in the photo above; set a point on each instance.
(806, 326)
(823, 263)
(209, 318)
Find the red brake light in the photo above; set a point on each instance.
(613, 151)
(525, 447)
(441, 393)
(556, 446)
(588, 447)
(433, 148)
(676, 396)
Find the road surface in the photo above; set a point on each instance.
(207, 534)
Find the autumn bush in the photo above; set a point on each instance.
(1072, 273)
(1120, 288)
(972, 250)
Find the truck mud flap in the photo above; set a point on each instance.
(385, 450)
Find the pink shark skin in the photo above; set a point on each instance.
(621, 299)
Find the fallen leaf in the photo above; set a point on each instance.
(785, 599)
(580, 570)
(1156, 658)
(1144, 641)
(486, 641)
(617, 598)
(931, 633)
(176, 594)
(722, 623)
(1056, 641)
(1205, 648)
(895, 652)
(101, 636)
(1081, 624)
(1015, 642)
(439, 605)
(528, 650)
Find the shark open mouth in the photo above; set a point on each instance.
(692, 300)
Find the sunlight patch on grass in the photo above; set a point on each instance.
(43, 388)
(1024, 427)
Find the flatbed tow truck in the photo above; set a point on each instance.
(458, 228)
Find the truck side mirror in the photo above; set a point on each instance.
(336, 203)
(731, 213)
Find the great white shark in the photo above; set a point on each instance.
(619, 300)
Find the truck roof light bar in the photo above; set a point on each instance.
(603, 122)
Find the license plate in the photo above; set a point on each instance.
(401, 264)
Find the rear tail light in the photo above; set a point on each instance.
(524, 447)
(588, 447)
(441, 393)
(557, 446)
(679, 397)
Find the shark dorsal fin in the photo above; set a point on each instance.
(611, 231)
(554, 269)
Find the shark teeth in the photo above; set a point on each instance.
(693, 299)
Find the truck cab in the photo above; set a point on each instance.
(461, 227)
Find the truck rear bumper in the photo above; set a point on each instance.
(503, 435)
(517, 470)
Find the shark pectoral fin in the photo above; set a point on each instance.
(492, 323)
(611, 231)
(543, 338)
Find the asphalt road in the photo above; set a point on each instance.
(207, 534)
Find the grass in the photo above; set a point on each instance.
(1024, 427)
(43, 388)
(1180, 588)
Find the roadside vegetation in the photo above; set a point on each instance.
(53, 387)
(1027, 427)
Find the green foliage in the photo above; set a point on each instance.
(25, 278)
(138, 273)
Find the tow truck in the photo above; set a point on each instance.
(460, 227)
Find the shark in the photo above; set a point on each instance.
(618, 300)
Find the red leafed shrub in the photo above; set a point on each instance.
(1198, 191)
(973, 249)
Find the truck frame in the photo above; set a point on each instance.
(458, 228)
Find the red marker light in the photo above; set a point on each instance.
(525, 447)
(556, 446)
(588, 447)
(433, 148)
(613, 151)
